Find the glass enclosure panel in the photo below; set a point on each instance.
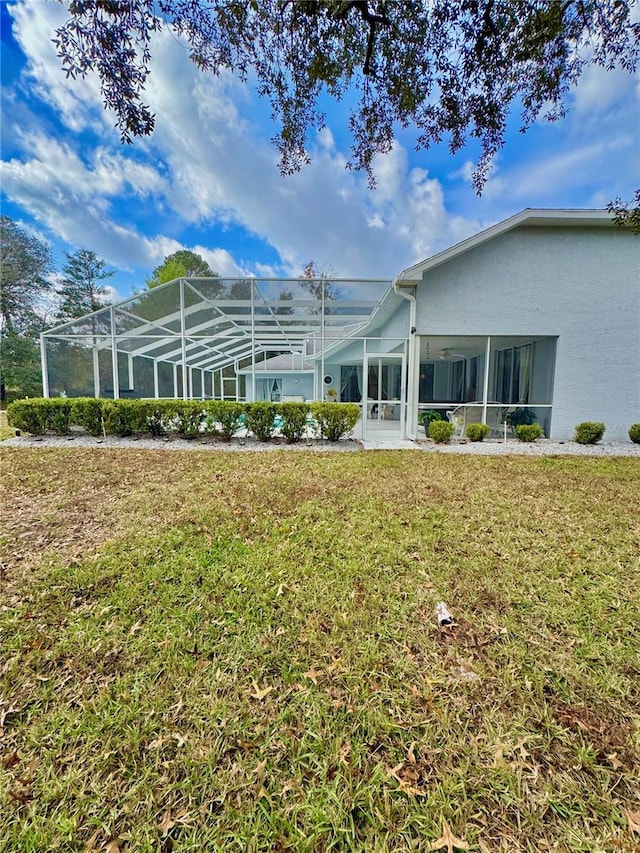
(70, 366)
(287, 330)
(143, 377)
(384, 388)
(521, 370)
(158, 303)
(166, 386)
(451, 371)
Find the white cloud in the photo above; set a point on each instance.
(207, 163)
(210, 163)
(78, 104)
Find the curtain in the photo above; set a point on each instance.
(525, 373)
(351, 383)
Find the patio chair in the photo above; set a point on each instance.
(457, 418)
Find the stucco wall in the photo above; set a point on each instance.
(581, 284)
(300, 385)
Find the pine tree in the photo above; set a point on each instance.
(80, 290)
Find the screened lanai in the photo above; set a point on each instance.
(199, 338)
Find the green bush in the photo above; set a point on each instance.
(335, 420)
(477, 431)
(40, 415)
(124, 417)
(441, 431)
(57, 415)
(28, 415)
(86, 412)
(634, 433)
(158, 414)
(294, 420)
(260, 419)
(223, 418)
(528, 432)
(589, 432)
(521, 417)
(188, 416)
(425, 418)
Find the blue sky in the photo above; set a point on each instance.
(208, 178)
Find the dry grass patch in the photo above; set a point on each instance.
(244, 656)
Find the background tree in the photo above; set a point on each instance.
(25, 263)
(181, 264)
(453, 69)
(316, 277)
(20, 367)
(80, 290)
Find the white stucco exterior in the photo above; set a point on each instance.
(571, 275)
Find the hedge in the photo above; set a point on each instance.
(187, 418)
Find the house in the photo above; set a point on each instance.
(537, 317)
(541, 311)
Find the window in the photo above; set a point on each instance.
(514, 367)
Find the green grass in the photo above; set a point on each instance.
(238, 652)
(5, 430)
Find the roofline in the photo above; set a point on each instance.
(529, 216)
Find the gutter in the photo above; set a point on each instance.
(413, 362)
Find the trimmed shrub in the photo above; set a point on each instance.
(28, 415)
(589, 432)
(158, 414)
(528, 432)
(294, 417)
(188, 416)
(335, 420)
(260, 419)
(86, 412)
(441, 431)
(634, 433)
(57, 415)
(223, 418)
(124, 417)
(477, 431)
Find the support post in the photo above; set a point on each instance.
(253, 345)
(485, 386)
(114, 357)
(130, 370)
(175, 380)
(156, 384)
(183, 345)
(322, 341)
(43, 362)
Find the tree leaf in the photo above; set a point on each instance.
(633, 819)
(312, 674)
(448, 840)
(259, 693)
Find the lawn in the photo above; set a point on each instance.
(204, 651)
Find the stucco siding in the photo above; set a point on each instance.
(581, 284)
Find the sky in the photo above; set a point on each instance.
(208, 178)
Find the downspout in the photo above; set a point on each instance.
(413, 364)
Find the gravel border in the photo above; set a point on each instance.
(542, 447)
(175, 443)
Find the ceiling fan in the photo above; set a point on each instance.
(447, 354)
